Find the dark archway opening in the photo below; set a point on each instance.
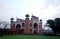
(35, 25)
(19, 30)
(18, 26)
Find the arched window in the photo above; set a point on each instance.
(22, 24)
(18, 26)
(35, 25)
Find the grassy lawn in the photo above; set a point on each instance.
(28, 37)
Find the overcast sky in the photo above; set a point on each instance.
(44, 9)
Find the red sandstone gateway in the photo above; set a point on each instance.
(27, 26)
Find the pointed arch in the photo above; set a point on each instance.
(35, 25)
(18, 26)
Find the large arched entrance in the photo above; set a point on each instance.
(18, 26)
(18, 29)
(36, 28)
(35, 25)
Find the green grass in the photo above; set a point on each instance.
(28, 37)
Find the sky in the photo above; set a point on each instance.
(44, 9)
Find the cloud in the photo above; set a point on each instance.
(4, 5)
(45, 9)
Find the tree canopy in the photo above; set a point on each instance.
(54, 24)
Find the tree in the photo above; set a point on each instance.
(51, 24)
(57, 24)
(54, 24)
